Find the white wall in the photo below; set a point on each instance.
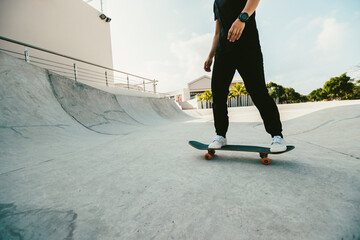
(69, 27)
(201, 84)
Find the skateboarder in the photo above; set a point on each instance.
(236, 46)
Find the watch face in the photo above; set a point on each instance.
(244, 16)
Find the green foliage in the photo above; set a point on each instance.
(276, 91)
(285, 95)
(231, 94)
(339, 87)
(317, 95)
(205, 96)
(356, 93)
(238, 90)
(336, 87)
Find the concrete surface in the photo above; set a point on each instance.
(80, 163)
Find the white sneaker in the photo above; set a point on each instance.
(278, 144)
(219, 142)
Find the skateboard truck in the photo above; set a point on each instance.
(264, 156)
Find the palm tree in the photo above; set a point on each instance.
(237, 91)
(230, 96)
(205, 96)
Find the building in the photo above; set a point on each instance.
(198, 86)
(187, 97)
(202, 84)
(68, 27)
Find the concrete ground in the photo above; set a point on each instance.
(80, 163)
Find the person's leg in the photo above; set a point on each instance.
(222, 75)
(252, 71)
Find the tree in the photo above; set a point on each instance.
(356, 93)
(284, 95)
(317, 95)
(230, 96)
(237, 91)
(205, 96)
(276, 91)
(339, 87)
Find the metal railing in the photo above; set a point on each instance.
(80, 70)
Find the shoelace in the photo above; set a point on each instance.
(276, 139)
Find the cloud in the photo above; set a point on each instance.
(332, 35)
(191, 54)
(309, 53)
(184, 61)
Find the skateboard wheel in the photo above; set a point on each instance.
(207, 156)
(265, 161)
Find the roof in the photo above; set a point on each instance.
(198, 79)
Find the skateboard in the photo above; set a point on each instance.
(263, 151)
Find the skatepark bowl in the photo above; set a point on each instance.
(79, 162)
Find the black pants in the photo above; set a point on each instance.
(248, 60)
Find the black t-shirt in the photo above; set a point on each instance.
(227, 11)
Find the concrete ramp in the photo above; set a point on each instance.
(32, 95)
(44, 115)
(96, 110)
(151, 111)
(26, 96)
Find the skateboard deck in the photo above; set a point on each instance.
(263, 151)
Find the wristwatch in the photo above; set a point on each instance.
(244, 17)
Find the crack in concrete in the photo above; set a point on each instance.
(330, 149)
(345, 119)
(312, 129)
(116, 111)
(326, 123)
(34, 126)
(98, 124)
(13, 128)
(32, 165)
(15, 170)
(110, 119)
(19, 133)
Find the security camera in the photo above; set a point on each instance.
(107, 19)
(102, 16)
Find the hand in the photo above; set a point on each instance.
(207, 64)
(236, 30)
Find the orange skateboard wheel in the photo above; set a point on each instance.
(207, 156)
(265, 161)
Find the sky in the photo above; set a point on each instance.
(304, 42)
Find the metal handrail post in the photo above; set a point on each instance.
(26, 54)
(144, 85)
(106, 78)
(75, 72)
(154, 86)
(128, 83)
